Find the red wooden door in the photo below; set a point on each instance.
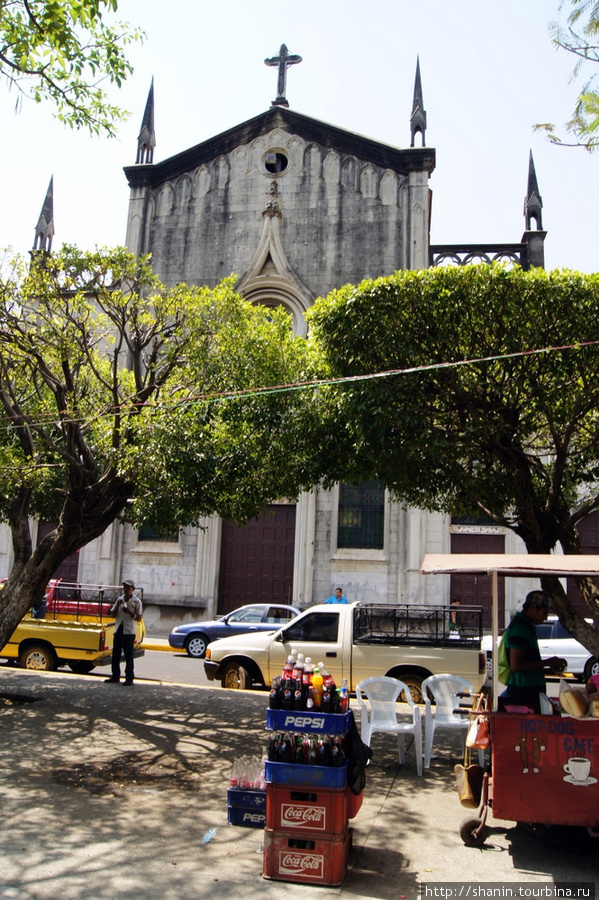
(256, 564)
(476, 590)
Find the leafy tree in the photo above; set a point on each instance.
(62, 51)
(580, 37)
(512, 433)
(126, 400)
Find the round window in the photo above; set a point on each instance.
(275, 162)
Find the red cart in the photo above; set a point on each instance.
(544, 768)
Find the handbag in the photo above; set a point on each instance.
(479, 730)
(469, 782)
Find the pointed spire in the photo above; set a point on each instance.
(44, 230)
(146, 140)
(418, 117)
(533, 202)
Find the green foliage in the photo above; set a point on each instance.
(579, 36)
(62, 51)
(121, 397)
(514, 434)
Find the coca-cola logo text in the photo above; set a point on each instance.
(311, 865)
(303, 816)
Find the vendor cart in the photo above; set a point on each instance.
(544, 768)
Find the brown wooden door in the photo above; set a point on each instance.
(256, 564)
(476, 590)
(68, 570)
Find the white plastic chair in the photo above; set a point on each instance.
(381, 714)
(445, 690)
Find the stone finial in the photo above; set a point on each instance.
(146, 140)
(418, 117)
(533, 203)
(44, 230)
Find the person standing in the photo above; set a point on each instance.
(127, 610)
(337, 597)
(527, 677)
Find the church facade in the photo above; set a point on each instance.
(295, 207)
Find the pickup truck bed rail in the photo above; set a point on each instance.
(426, 625)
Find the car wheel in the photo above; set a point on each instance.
(591, 668)
(236, 677)
(414, 683)
(37, 656)
(196, 645)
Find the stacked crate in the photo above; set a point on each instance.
(307, 837)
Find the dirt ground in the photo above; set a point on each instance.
(107, 793)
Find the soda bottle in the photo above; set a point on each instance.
(287, 694)
(317, 682)
(274, 698)
(298, 669)
(307, 680)
(337, 751)
(329, 681)
(310, 699)
(298, 696)
(326, 705)
(344, 696)
(288, 668)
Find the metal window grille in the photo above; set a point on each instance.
(149, 533)
(361, 515)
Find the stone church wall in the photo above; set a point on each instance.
(342, 219)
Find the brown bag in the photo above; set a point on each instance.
(478, 736)
(469, 782)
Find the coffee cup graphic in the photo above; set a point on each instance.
(578, 768)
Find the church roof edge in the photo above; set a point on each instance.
(384, 155)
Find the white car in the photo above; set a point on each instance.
(555, 640)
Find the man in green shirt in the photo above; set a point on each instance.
(527, 678)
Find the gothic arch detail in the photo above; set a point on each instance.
(270, 279)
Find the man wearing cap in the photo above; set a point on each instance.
(127, 610)
(527, 669)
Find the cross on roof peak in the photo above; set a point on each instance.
(283, 61)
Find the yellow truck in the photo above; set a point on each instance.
(75, 631)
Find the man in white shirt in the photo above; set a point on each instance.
(127, 610)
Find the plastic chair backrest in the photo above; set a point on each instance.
(382, 693)
(445, 689)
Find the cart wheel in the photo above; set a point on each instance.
(473, 832)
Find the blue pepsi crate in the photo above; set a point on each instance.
(307, 722)
(246, 799)
(306, 775)
(246, 817)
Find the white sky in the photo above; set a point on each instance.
(489, 72)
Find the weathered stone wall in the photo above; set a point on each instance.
(342, 218)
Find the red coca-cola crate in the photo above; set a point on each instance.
(317, 860)
(302, 810)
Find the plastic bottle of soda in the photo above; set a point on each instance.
(317, 683)
(329, 681)
(307, 676)
(288, 668)
(344, 696)
(298, 668)
(310, 699)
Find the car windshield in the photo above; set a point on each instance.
(249, 614)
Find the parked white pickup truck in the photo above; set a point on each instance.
(356, 641)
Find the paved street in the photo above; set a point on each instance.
(108, 792)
